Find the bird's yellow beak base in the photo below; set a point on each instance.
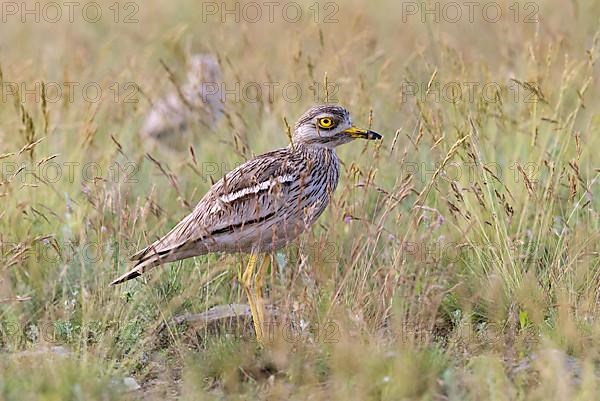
(362, 133)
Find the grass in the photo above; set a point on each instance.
(458, 260)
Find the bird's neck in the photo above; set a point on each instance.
(321, 158)
(313, 150)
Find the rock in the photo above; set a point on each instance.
(131, 384)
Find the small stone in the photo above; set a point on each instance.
(131, 384)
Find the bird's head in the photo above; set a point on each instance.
(328, 126)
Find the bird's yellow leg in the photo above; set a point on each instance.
(260, 305)
(255, 304)
(252, 301)
(260, 276)
(249, 271)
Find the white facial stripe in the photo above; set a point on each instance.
(257, 188)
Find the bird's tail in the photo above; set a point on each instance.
(149, 257)
(144, 261)
(179, 243)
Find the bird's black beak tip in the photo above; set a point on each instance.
(374, 136)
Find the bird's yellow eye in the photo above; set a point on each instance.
(325, 122)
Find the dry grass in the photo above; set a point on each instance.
(458, 261)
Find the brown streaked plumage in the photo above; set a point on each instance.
(264, 203)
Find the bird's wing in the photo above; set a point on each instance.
(251, 193)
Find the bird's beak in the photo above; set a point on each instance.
(362, 133)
